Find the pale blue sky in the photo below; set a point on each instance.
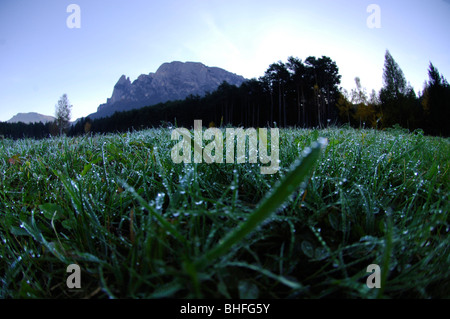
(41, 58)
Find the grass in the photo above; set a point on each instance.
(141, 226)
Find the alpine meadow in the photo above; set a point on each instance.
(205, 154)
(140, 226)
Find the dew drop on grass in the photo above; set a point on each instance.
(307, 248)
(159, 201)
(321, 253)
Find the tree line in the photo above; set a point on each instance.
(296, 93)
(398, 104)
(61, 124)
(22, 130)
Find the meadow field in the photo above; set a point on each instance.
(141, 226)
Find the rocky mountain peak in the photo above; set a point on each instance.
(124, 81)
(171, 81)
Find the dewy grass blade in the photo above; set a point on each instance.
(297, 174)
(285, 281)
(387, 256)
(164, 223)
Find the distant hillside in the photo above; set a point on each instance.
(172, 81)
(31, 117)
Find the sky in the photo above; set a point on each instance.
(41, 58)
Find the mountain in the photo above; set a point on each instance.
(31, 117)
(172, 81)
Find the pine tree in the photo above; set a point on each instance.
(397, 97)
(436, 103)
(393, 79)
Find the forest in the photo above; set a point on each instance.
(296, 93)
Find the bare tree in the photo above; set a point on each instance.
(63, 112)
